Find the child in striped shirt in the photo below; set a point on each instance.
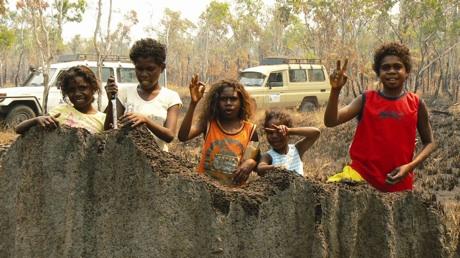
(278, 127)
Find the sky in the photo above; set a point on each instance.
(149, 13)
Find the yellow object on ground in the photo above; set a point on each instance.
(346, 176)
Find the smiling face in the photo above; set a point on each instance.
(148, 72)
(229, 103)
(278, 141)
(392, 72)
(81, 94)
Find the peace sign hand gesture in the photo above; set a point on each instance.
(196, 89)
(338, 78)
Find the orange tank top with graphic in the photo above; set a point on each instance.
(222, 151)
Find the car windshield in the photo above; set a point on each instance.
(36, 78)
(252, 79)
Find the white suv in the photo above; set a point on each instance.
(24, 102)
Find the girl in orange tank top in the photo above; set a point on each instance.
(230, 147)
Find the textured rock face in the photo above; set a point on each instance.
(69, 194)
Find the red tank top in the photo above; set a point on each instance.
(385, 139)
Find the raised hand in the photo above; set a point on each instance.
(111, 87)
(338, 78)
(281, 129)
(197, 89)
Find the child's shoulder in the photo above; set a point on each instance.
(170, 95)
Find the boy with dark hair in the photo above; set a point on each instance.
(382, 151)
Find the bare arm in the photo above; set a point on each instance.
(249, 160)
(310, 134)
(187, 131)
(42, 121)
(112, 89)
(265, 164)
(334, 116)
(426, 135)
(167, 131)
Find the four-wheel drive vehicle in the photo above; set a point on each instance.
(24, 102)
(287, 82)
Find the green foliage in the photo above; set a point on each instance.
(7, 38)
(72, 11)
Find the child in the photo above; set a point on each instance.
(78, 84)
(147, 103)
(230, 142)
(278, 126)
(383, 146)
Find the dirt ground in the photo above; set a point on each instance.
(280, 215)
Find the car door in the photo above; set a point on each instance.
(276, 85)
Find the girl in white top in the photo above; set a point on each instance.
(278, 127)
(147, 103)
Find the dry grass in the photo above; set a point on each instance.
(183, 91)
(7, 136)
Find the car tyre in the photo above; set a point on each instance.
(18, 114)
(307, 106)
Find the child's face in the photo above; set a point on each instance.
(229, 103)
(80, 93)
(392, 72)
(274, 137)
(147, 72)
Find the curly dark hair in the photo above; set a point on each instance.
(281, 116)
(211, 100)
(392, 49)
(68, 77)
(148, 48)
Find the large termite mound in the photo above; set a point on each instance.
(66, 193)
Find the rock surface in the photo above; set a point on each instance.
(70, 194)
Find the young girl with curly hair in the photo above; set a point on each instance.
(230, 147)
(78, 85)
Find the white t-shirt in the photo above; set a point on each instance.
(155, 109)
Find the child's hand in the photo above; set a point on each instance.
(398, 174)
(196, 89)
(281, 129)
(338, 78)
(133, 119)
(48, 121)
(243, 171)
(111, 87)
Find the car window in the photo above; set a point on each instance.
(297, 75)
(316, 75)
(252, 79)
(275, 79)
(106, 72)
(58, 78)
(36, 78)
(126, 75)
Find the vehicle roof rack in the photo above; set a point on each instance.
(286, 60)
(91, 57)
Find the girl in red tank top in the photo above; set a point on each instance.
(382, 151)
(230, 141)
